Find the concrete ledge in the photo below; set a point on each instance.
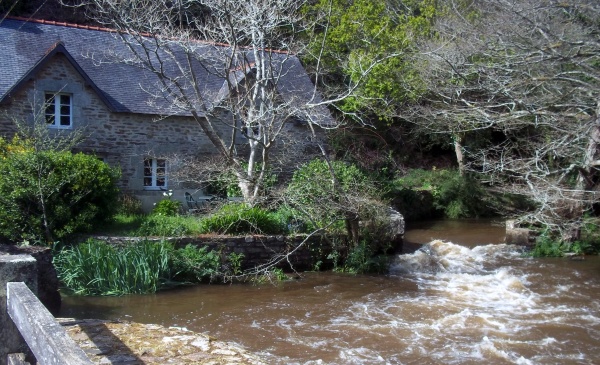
(17, 359)
(20, 268)
(46, 338)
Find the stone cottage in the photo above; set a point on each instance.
(69, 75)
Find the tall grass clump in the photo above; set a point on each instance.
(240, 219)
(97, 268)
(168, 226)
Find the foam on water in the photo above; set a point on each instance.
(462, 297)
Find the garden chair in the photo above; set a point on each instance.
(191, 203)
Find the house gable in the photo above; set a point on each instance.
(56, 49)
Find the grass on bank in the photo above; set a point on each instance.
(228, 219)
(95, 267)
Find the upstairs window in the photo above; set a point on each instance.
(155, 173)
(59, 109)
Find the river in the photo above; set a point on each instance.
(463, 298)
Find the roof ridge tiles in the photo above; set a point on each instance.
(62, 24)
(110, 30)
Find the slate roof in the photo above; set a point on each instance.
(25, 46)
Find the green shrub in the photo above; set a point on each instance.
(362, 260)
(235, 262)
(292, 220)
(195, 264)
(97, 268)
(166, 207)
(52, 194)
(234, 218)
(439, 193)
(550, 244)
(590, 235)
(226, 184)
(547, 246)
(312, 192)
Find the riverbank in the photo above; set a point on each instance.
(129, 343)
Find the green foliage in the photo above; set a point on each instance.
(364, 33)
(195, 264)
(291, 219)
(167, 207)
(168, 226)
(97, 268)
(235, 261)
(52, 194)
(590, 236)
(234, 218)
(226, 183)
(273, 276)
(313, 193)
(362, 260)
(548, 246)
(431, 193)
(278, 274)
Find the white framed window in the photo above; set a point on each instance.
(59, 110)
(155, 173)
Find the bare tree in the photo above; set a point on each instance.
(528, 72)
(248, 49)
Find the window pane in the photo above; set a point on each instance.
(65, 99)
(65, 120)
(49, 118)
(49, 108)
(65, 110)
(147, 181)
(161, 181)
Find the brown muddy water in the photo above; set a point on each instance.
(463, 298)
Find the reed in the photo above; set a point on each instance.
(97, 268)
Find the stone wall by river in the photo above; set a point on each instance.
(303, 251)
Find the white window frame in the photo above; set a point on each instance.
(155, 173)
(54, 109)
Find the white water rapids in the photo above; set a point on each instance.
(471, 306)
(443, 304)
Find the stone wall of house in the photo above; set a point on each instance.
(125, 139)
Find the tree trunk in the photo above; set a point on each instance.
(460, 159)
(352, 228)
(585, 180)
